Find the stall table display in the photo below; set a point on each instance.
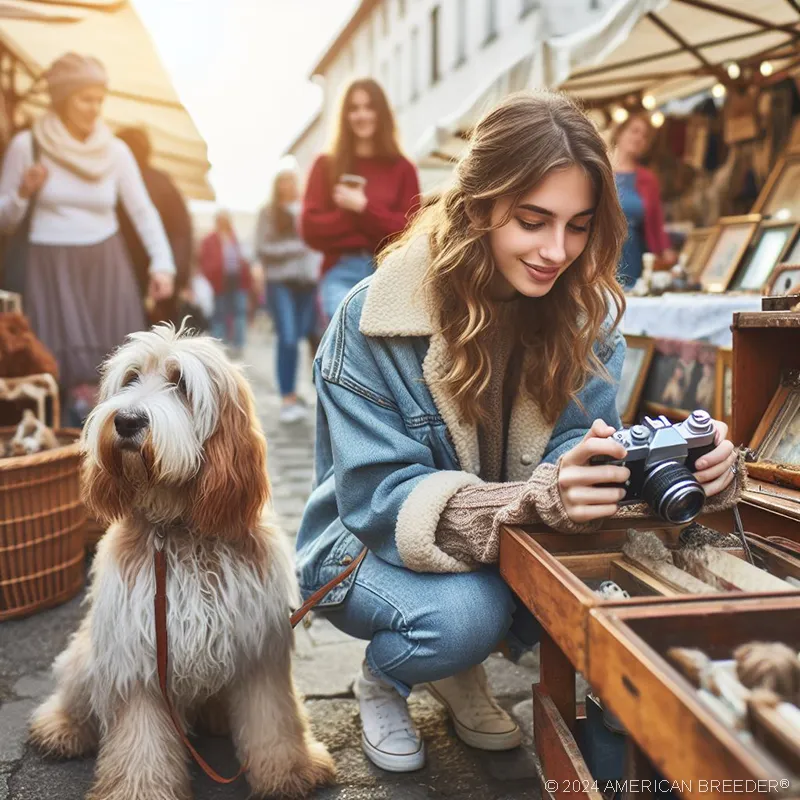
(705, 317)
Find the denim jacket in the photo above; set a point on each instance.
(391, 449)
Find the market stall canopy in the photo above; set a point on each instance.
(36, 32)
(674, 49)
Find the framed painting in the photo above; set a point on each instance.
(727, 251)
(681, 378)
(723, 404)
(776, 442)
(785, 279)
(769, 248)
(781, 193)
(638, 357)
(696, 248)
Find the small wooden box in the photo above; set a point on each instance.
(684, 739)
(547, 571)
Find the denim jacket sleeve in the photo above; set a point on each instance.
(597, 400)
(377, 457)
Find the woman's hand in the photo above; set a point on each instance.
(714, 470)
(32, 180)
(162, 285)
(349, 198)
(584, 500)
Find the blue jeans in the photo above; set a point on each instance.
(349, 270)
(424, 626)
(230, 316)
(293, 310)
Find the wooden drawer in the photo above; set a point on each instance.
(683, 738)
(547, 572)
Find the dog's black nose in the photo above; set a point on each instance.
(128, 425)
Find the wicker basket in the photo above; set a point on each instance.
(42, 527)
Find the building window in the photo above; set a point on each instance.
(413, 63)
(398, 76)
(401, 8)
(385, 18)
(491, 21)
(436, 73)
(461, 32)
(528, 6)
(385, 80)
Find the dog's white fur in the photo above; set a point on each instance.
(196, 476)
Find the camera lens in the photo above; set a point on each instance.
(673, 492)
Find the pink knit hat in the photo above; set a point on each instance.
(72, 72)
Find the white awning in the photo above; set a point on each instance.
(140, 91)
(673, 49)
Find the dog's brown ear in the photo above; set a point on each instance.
(230, 492)
(104, 490)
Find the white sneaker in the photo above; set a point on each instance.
(291, 413)
(478, 719)
(388, 736)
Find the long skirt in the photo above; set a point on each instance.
(82, 301)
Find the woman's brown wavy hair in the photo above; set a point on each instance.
(342, 150)
(510, 151)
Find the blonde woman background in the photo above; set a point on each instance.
(59, 186)
(469, 383)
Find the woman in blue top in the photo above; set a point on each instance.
(467, 384)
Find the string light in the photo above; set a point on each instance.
(657, 119)
(766, 68)
(718, 90)
(649, 102)
(619, 115)
(734, 70)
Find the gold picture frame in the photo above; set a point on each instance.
(730, 245)
(696, 248)
(769, 248)
(638, 357)
(781, 192)
(785, 279)
(776, 442)
(723, 402)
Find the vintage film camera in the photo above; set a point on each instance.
(662, 457)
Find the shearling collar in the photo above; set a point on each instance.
(397, 303)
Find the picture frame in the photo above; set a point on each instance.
(682, 377)
(776, 442)
(695, 249)
(781, 192)
(638, 357)
(770, 245)
(785, 279)
(723, 402)
(724, 256)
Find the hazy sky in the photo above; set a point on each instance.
(241, 67)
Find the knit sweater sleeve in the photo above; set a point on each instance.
(141, 210)
(380, 221)
(324, 226)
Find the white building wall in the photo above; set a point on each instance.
(477, 41)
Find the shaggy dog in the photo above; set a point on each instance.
(174, 452)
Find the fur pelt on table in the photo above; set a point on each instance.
(21, 353)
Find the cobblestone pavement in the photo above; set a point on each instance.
(325, 663)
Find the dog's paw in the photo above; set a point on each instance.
(313, 769)
(56, 733)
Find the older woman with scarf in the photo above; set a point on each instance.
(59, 188)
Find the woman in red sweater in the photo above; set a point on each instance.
(359, 194)
(640, 198)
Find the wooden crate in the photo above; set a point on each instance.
(660, 709)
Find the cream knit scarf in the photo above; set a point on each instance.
(91, 160)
